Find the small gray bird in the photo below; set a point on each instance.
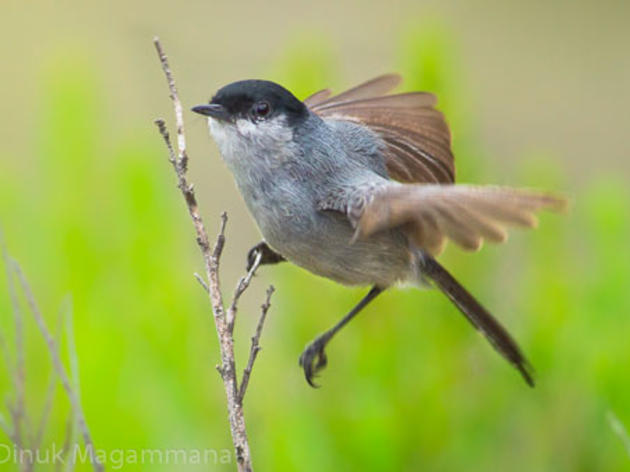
(360, 188)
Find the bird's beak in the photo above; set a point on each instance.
(213, 110)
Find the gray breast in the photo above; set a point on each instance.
(282, 184)
(320, 241)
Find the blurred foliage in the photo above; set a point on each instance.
(410, 385)
(307, 63)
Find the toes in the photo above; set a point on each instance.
(250, 261)
(312, 360)
(306, 362)
(322, 360)
(309, 374)
(251, 256)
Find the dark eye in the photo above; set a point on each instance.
(261, 109)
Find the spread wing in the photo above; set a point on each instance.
(429, 214)
(417, 138)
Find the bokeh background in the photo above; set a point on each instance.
(537, 95)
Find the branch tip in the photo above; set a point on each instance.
(224, 324)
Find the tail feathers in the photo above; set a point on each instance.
(477, 315)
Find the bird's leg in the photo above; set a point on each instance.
(313, 359)
(268, 255)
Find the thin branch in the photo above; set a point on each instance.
(6, 355)
(4, 349)
(211, 259)
(217, 250)
(72, 349)
(5, 428)
(68, 462)
(177, 106)
(58, 365)
(50, 391)
(73, 420)
(202, 282)
(161, 124)
(186, 189)
(45, 415)
(255, 348)
(241, 286)
(17, 408)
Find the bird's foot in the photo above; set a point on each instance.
(268, 255)
(313, 359)
(252, 254)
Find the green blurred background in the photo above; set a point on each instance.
(537, 95)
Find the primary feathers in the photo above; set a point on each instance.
(418, 151)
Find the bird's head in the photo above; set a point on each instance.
(252, 115)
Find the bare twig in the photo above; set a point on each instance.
(255, 348)
(202, 282)
(60, 369)
(5, 428)
(224, 323)
(50, 391)
(73, 420)
(72, 349)
(6, 355)
(4, 349)
(182, 158)
(47, 408)
(241, 286)
(67, 461)
(17, 408)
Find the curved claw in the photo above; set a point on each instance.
(252, 254)
(313, 360)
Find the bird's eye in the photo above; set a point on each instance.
(261, 109)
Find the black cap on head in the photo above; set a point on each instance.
(254, 99)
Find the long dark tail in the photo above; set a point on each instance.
(477, 315)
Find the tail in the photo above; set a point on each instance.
(477, 315)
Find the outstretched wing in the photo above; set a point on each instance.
(416, 136)
(429, 214)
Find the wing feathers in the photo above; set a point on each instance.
(462, 234)
(465, 214)
(372, 88)
(417, 152)
(401, 100)
(317, 97)
(416, 136)
(398, 153)
(483, 225)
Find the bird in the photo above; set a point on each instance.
(359, 187)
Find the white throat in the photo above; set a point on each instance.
(270, 140)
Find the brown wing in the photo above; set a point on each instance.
(417, 138)
(463, 213)
(317, 97)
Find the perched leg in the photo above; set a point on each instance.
(269, 256)
(315, 349)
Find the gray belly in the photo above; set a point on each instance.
(320, 243)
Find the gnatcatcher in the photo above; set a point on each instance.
(359, 188)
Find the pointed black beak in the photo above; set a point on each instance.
(213, 110)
